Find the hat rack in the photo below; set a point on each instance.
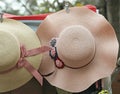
(1, 17)
(66, 6)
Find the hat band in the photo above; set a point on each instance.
(22, 62)
(58, 62)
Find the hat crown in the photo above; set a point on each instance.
(76, 46)
(9, 49)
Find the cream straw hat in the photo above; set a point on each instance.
(19, 59)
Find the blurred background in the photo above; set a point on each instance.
(109, 8)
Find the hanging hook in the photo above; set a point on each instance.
(1, 17)
(67, 6)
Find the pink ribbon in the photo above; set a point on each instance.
(22, 62)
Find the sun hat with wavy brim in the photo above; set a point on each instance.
(20, 56)
(84, 48)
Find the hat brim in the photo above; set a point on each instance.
(26, 36)
(104, 62)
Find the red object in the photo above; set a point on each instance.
(92, 7)
(30, 17)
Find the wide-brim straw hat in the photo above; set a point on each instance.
(85, 48)
(14, 37)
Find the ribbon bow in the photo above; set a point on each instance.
(22, 62)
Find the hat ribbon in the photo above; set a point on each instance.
(57, 61)
(22, 62)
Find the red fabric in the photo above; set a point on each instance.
(30, 17)
(92, 7)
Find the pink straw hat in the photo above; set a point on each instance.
(84, 48)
